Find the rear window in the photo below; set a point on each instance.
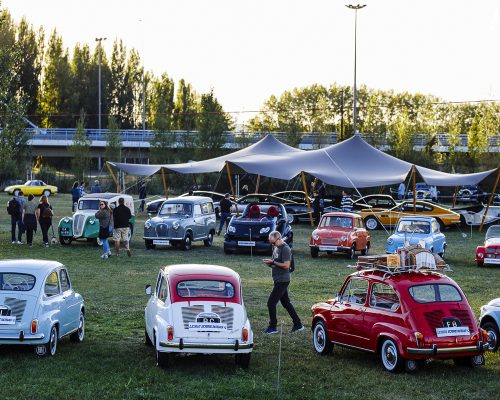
(16, 281)
(89, 204)
(205, 288)
(434, 293)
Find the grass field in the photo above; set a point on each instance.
(114, 363)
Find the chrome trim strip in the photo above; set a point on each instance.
(353, 347)
(207, 346)
(449, 350)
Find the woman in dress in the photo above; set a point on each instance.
(44, 215)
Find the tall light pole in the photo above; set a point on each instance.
(99, 84)
(355, 8)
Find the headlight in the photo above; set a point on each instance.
(343, 238)
(390, 241)
(147, 225)
(175, 225)
(264, 230)
(480, 255)
(316, 237)
(91, 221)
(231, 229)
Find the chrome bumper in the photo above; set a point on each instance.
(181, 345)
(446, 350)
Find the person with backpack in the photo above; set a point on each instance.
(104, 217)
(281, 265)
(44, 214)
(29, 219)
(14, 209)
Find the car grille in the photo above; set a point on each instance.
(78, 222)
(16, 307)
(162, 230)
(226, 315)
(435, 318)
(189, 314)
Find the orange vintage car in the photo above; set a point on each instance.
(375, 217)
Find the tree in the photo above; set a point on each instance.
(121, 91)
(185, 107)
(80, 149)
(113, 150)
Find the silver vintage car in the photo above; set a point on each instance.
(490, 321)
(180, 222)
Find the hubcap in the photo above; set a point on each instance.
(81, 328)
(371, 224)
(492, 339)
(319, 338)
(53, 342)
(390, 357)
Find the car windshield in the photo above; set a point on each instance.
(434, 293)
(493, 231)
(339, 222)
(16, 281)
(176, 209)
(414, 227)
(92, 204)
(205, 288)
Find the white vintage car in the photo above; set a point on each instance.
(473, 215)
(38, 305)
(197, 308)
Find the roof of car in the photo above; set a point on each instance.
(418, 218)
(179, 270)
(188, 198)
(341, 214)
(104, 195)
(405, 279)
(28, 265)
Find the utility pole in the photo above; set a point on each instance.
(99, 79)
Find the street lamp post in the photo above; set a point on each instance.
(355, 8)
(99, 84)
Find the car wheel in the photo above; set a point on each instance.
(365, 251)
(163, 359)
(443, 252)
(209, 240)
(351, 254)
(474, 361)
(65, 240)
(79, 334)
(226, 250)
(49, 348)
(16, 192)
(480, 264)
(242, 360)
(147, 340)
(186, 243)
(46, 192)
(371, 223)
(389, 355)
(493, 335)
(321, 343)
(148, 243)
(314, 252)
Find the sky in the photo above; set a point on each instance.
(247, 51)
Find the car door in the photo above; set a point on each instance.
(391, 216)
(438, 238)
(70, 306)
(347, 313)
(53, 300)
(151, 307)
(361, 234)
(198, 222)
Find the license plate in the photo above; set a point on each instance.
(492, 260)
(161, 242)
(328, 248)
(246, 243)
(7, 320)
(207, 326)
(453, 331)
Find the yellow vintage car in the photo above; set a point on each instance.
(34, 187)
(375, 217)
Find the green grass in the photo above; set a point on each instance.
(114, 363)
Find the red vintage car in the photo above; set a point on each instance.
(489, 253)
(404, 316)
(340, 232)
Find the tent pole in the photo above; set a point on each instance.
(454, 201)
(114, 177)
(258, 184)
(414, 189)
(307, 197)
(228, 170)
(490, 200)
(165, 192)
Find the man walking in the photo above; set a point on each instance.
(121, 226)
(346, 202)
(96, 188)
(15, 210)
(280, 264)
(142, 195)
(225, 212)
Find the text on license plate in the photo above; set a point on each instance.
(246, 243)
(7, 320)
(453, 331)
(161, 242)
(207, 326)
(328, 248)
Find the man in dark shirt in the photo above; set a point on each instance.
(280, 264)
(316, 207)
(121, 226)
(225, 212)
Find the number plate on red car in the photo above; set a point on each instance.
(453, 331)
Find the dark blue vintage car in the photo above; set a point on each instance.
(249, 232)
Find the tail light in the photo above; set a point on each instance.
(34, 326)
(170, 333)
(419, 338)
(485, 335)
(244, 335)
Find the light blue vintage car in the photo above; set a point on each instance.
(417, 230)
(38, 305)
(490, 321)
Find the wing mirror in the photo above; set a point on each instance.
(148, 290)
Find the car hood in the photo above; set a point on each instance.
(243, 226)
(162, 220)
(415, 238)
(332, 233)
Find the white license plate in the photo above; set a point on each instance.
(246, 243)
(161, 242)
(453, 331)
(328, 248)
(492, 260)
(5, 320)
(207, 326)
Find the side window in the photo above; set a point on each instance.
(356, 291)
(384, 297)
(65, 285)
(204, 208)
(435, 227)
(163, 291)
(197, 210)
(158, 281)
(210, 207)
(52, 284)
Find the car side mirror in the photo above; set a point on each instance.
(148, 290)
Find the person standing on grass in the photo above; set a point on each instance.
(15, 211)
(316, 207)
(346, 203)
(29, 219)
(142, 195)
(96, 188)
(280, 264)
(121, 226)
(44, 215)
(75, 195)
(104, 217)
(225, 212)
